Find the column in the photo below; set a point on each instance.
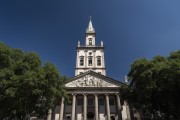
(61, 109)
(49, 114)
(85, 107)
(85, 59)
(107, 107)
(73, 107)
(103, 62)
(118, 107)
(77, 59)
(127, 110)
(96, 107)
(94, 57)
(77, 62)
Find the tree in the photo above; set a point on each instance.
(26, 86)
(155, 86)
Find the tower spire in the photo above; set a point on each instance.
(90, 56)
(90, 28)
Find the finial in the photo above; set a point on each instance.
(101, 43)
(78, 43)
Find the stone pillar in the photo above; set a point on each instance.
(61, 109)
(118, 107)
(73, 107)
(85, 107)
(77, 59)
(103, 63)
(96, 107)
(85, 59)
(102, 59)
(49, 114)
(107, 107)
(127, 110)
(94, 57)
(77, 63)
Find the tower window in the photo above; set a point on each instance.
(90, 61)
(98, 61)
(90, 41)
(81, 61)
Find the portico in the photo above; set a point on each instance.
(98, 101)
(89, 105)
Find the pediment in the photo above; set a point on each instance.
(92, 80)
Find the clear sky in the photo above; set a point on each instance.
(130, 29)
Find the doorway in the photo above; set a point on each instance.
(90, 116)
(112, 118)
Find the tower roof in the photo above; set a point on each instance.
(90, 28)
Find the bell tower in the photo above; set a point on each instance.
(90, 56)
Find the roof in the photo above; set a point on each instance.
(90, 28)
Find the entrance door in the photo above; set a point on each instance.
(90, 116)
(112, 118)
(68, 118)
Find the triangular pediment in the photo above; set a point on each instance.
(92, 79)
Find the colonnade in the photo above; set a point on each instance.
(85, 107)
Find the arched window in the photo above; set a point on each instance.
(90, 61)
(90, 41)
(81, 62)
(98, 61)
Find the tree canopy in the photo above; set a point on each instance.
(154, 86)
(26, 86)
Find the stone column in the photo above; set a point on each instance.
(96, 107)
(118, 107)
(61, 109)
(102, 59)
(94, 57)
(77, 63)
(85, 107)
(49, 114)
(107, 107)
(85, 59)
(77, 59)
(103, 62)
(127, 110)
(73, 107)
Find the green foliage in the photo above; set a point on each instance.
(155, 86)
(26, 86)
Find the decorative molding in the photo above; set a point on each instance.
(90, 81)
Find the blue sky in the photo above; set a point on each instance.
(130, 29)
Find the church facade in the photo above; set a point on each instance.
(92, 95)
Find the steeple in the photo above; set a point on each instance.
(90, 35)
(90, 28)
(90, 56)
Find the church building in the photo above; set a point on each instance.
(92, 95)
